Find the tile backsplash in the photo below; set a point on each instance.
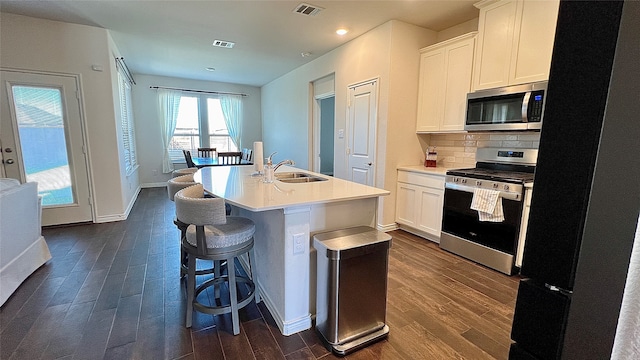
(456, 150)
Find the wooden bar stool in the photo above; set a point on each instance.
(214, 236)
(173, 186)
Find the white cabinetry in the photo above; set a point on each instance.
(445, 80)
(515, 42)
(419, 202)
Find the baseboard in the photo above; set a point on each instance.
(153, 185)
(120, 217)
(422, 234)
(387, 228)
(286, 328)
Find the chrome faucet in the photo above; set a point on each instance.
(283, 162)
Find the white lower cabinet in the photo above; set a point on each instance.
(419, 201)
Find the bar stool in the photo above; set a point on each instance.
(185, 171)
(173, 186)
(214, 236)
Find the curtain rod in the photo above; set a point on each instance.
(125, 69)
(198, 91)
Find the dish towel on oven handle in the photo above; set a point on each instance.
(488, 203)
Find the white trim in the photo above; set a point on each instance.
(286, 328)
(120, 217)
(387, 228)
(153, 185)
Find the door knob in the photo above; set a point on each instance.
(8, 150)
(9, 161)
(369, 164)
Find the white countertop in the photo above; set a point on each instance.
(426, 170)
(236, 185)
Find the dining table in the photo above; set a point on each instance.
(201, 162)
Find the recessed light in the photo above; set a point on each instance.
(210, 69)
(342, 31)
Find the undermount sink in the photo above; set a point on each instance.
(297, 177)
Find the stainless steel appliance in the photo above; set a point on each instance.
(518, 107)
(493, 244)
(352, 287)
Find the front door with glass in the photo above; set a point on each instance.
(41, 132)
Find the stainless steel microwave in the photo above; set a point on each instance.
(518, 107)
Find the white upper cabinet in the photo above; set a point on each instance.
(445, 80)
(515, 42)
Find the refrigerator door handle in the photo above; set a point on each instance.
(557, 289)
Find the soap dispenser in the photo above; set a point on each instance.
(268, 168)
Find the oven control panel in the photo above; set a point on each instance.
(507, 190)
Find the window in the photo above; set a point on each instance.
(126, 119)
(200, 123)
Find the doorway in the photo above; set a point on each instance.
(323, 125)
(42, 138)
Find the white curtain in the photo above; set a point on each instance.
(168, 105)
(232, 110)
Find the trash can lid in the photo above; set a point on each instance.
(345, 239)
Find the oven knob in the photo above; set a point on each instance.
(456, 180)
(506, 187)
(478, 183)
(495, 185)
(464, 181)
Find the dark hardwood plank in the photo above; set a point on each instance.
(263, 344)
(206, 344)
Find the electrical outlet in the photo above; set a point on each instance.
(298, 243)
(341, 134)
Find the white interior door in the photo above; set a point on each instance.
(363, 107)
(41, 133)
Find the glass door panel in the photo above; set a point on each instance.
(41, 129)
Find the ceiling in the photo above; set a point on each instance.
(174, 38)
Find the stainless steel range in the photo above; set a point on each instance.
(493, 240)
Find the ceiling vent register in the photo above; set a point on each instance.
(223, 44)
(308, 10)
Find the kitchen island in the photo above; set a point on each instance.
(287, 215)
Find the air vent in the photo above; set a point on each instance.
(223, 43)
(306, 9)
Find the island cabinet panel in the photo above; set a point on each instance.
(445, 80)
(287, 215)
(419, 202)
(515, 42)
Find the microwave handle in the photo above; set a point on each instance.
(525, 106)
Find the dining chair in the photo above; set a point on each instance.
(247, 155)
(206, 152)
(187, 158)
(229, 158)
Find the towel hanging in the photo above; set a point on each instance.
(488, 203)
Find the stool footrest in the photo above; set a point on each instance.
(218, 310)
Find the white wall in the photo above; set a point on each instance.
(148, 133)
(388, 51)
(50, 46)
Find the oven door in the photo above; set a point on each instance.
(492, 244)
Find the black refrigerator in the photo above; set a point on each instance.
(591, 51)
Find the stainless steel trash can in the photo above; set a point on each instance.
(351, 292)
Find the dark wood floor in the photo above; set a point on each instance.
(111, 291)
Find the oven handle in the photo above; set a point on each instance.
(503, 194)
